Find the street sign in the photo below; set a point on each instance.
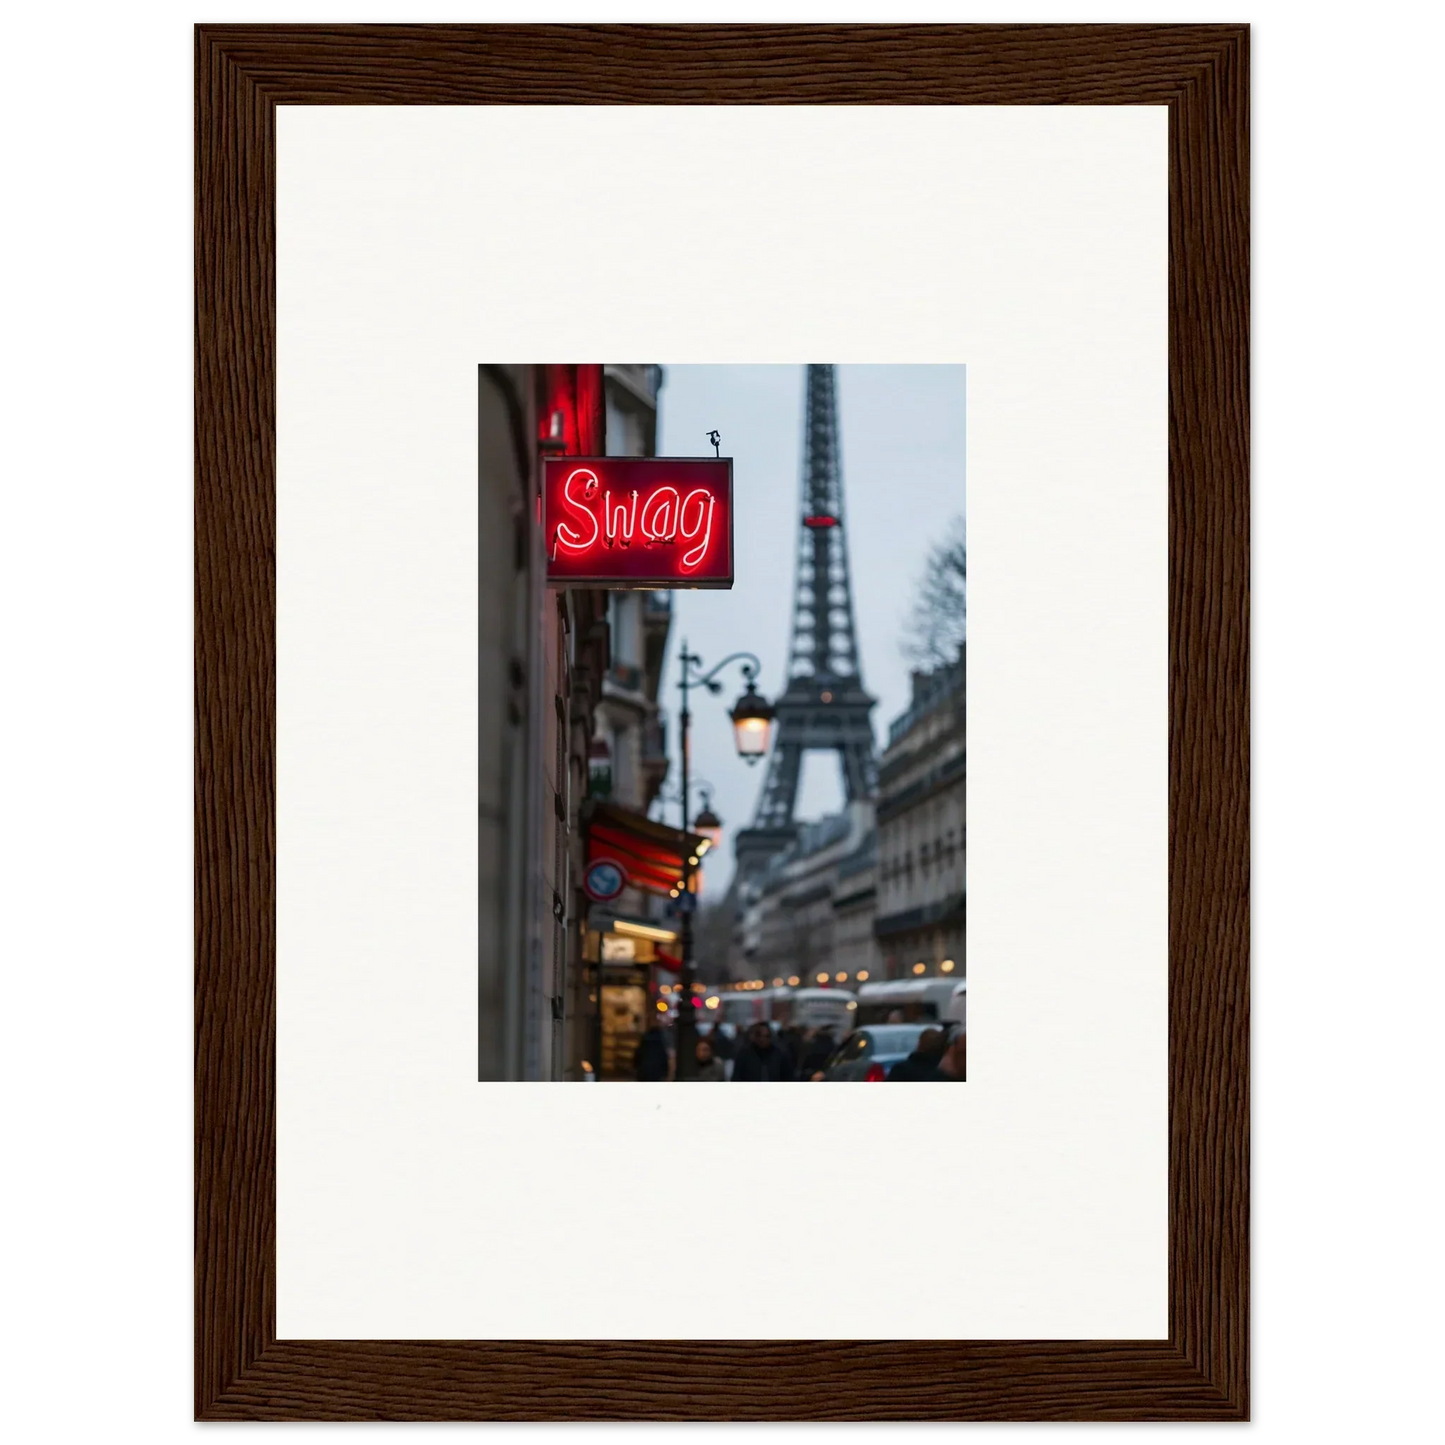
(638, 522)
(604, 880)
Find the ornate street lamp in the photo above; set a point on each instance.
(708, 823)
(752, 717)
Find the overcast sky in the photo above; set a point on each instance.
(903, 481)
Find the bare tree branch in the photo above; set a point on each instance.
(937, 624)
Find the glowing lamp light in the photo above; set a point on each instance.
(947, 965)
(708, 824)
(661, 1007)
(822, 978)
(862, 975)
(712, 1003)
(777, 983)
(840, 978)
(752, 717)
(920, 968)
(793, 981)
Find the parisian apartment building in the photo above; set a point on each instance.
(629, 747)
(568, 709)
(809, 916)
(921, 811)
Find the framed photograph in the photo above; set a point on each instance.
(627, 460)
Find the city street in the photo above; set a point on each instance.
(718, 864)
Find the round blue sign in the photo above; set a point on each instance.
(604, 880)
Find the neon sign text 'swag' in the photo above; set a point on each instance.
(658, 520)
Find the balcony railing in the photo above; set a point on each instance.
(890, 804)
(930, 692)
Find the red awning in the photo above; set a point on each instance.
(651, 853)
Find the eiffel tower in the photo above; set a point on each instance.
(823, 706)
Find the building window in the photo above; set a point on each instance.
(622, 618)
(623, 781)
(624, 431)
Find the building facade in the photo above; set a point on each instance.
(628, 943)
(631, 727)
(922, 840)
(855, 904)
(631, 721)
(559, 671)
(809, 914)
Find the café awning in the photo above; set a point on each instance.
(651, 853)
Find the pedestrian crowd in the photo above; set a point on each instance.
(795, 1053)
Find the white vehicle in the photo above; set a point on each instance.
(773, 1004)
(806, 1007)
(958, 1004)
(911, 1000)
(741, 1009)
(815, 1008)
(761, 1005)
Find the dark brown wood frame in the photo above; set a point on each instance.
(242, 74)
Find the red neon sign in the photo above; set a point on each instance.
(638, 521)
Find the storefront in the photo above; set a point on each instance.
(632, 952)
(625, 958)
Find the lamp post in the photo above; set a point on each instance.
(752, 718)
(705, 822)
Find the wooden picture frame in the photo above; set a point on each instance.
(242, 1371)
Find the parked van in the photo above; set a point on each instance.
(742, 1009)
(958, 1004)
(815, 1008)
(913, 1000)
